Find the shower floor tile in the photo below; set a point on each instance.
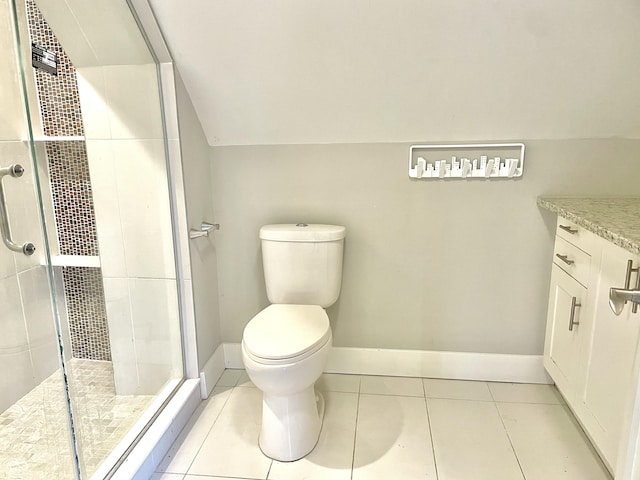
(454, 430)
(35, 431)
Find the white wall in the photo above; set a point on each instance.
(429, 265)
(333, 71)
(197, 185)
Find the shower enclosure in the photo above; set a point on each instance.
(90, 340)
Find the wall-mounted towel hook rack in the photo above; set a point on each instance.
(26, 248)
(205, 228)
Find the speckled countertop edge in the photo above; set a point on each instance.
(616, 219)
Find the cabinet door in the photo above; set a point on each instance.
(610, 379)
(566, 300)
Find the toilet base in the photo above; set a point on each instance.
(291, 424)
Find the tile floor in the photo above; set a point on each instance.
(35, 431)
(393, 428)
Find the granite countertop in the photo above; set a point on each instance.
(616, 219)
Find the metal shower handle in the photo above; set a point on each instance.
(27, 248)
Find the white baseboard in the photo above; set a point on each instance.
(212, 371)
(495, 367)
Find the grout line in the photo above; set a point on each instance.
(433, 446)
(209, 430)
(269, 471)
(513, 448)
(355, 430)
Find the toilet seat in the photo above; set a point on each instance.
(286, 333)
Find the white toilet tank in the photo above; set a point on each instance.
(302, 263)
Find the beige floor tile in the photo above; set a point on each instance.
(181, 454)
(209, 477)
(333, 382)
(525, 393)
(406, 386)
(456, 389)
(231, 447)
(392, 439)
(470, 442)
(245, 381)
(549, 443)
(332, 457)
(229, 378)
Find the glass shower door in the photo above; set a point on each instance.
(35, 423)
(95, 325)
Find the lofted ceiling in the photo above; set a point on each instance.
(333, 71)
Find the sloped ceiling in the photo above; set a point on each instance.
(329, 71)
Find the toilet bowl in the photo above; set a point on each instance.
(286, 345)
(284, 350)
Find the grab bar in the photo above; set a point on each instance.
(27, 248)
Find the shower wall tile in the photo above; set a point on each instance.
(13, 333)
(118, 303)
(36, 299)
(17, 376)
(132, 208)
(111, 31)
(69, 32)
(120, 102)
(45, 360)
(12, 120)
(156, 329)
(102, 165)
(93, 97)
(143, 195)
(144, 331)
(134, 101)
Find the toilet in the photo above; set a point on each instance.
(286, 345)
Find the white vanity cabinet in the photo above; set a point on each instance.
(574, 281)
(610, 377)
(589, 351)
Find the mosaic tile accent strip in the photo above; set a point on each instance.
(72, 197)
(58, 94)
(87, 313)
(35, 433)
(61, 115)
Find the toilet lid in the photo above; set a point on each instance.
(284, 331)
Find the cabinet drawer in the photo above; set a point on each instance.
(572, 260)
(575, 234)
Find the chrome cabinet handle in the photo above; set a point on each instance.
(565, 259)
(627, 281)
(572, 320)
(26, 248)
(568, 229)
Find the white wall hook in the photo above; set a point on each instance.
(486, 163)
